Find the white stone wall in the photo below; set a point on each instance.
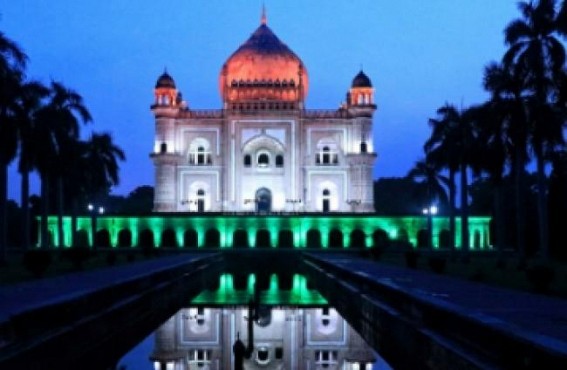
(323, 167)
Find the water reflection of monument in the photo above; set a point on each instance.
(284, 338)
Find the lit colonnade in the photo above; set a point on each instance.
(277, 231)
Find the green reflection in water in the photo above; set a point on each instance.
(299, 295)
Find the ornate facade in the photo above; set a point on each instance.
(263, 151)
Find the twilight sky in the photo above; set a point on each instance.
(419, 54)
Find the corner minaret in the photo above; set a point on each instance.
(165, 91)
(360, 98)
(166, 108)
(360, 105)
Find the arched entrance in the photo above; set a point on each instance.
(124, 238)
(200, 200)
(336, 239)
(263, 200)
(102, 238)
(313, 238)
(326, 200)
(212, 238)
(357, 239)
(146, 239)
(263, 239)
(380, 238)
(168, 238)
(285, 239)
(240, 239)
(190, 239)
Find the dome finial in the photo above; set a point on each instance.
(264, 19)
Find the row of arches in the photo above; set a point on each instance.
(241, 238)
(263, 160)
(248, 93)
(262, 106)
(237, 231)
(262, 83)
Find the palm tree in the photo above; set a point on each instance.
(535, 53)
(493, 148)
(95, 170)
(58, 129)
(428, 174)
(30, 100)
(459, 135)
(442, 150)
(12, 65)
(508, 112)
(102, 156)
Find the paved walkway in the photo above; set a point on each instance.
(542, 318)
(18, 298)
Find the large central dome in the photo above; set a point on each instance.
(263, 68)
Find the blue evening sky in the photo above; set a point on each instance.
(419, 54)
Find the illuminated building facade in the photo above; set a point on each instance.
(263, 151)
(235, 177)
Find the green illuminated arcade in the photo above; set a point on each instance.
(217, 230)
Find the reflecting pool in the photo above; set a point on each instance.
(248, 322)
(199, 337)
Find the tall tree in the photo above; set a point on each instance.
(442, 150)
(58, 129)
(507, 124)
(29, 102)
(457, 140)
(96, 170)
(12, 65)
(536, 53)
(428, 174)
(492, 147)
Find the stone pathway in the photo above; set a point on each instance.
(22, 297)
(541, 318)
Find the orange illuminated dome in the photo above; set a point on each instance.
(263, 68)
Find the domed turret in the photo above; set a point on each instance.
(263, 68)
(361, 93)
(165, 81)
(165, 91)
(361, 80)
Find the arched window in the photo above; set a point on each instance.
(247, 160)
(200, 200)
(326, 156)
(363, 147)
(263, 160)
(326, 200)
(199, 153)
(163, 148)
(279, 160)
